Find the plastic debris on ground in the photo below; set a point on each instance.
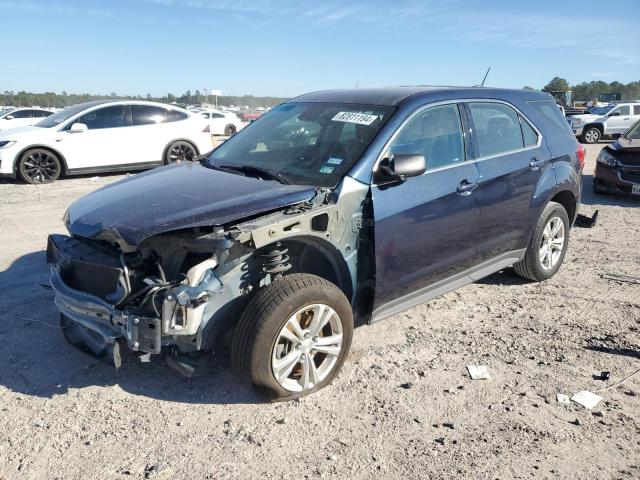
(478, 372)
(562, 398)
(587, 399)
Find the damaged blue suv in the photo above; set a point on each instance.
(334, 209)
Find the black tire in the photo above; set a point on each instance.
(230, 130)
(591, 135)
(180, 151)
(38, 165)
(259, 328)
(597, 190)
(531, 266)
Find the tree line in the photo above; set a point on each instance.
(588, 91)
(64, 99)
(585, 91)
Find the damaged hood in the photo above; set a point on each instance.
(177, 196)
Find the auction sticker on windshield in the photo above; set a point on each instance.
(355, 117)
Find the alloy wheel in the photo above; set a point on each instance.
(181, 151)
(41, 166)
(592, 135)
(307, 348)
(552, 243)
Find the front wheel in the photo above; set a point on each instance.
(548, 245)
(39, 166)
(294, 336)
(591, 135)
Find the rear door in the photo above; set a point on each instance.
(511, 158)
(151, 133)
(425, 227)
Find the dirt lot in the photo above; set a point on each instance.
(66, 415)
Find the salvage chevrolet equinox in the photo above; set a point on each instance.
(334, 209)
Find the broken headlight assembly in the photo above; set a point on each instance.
(606, 158)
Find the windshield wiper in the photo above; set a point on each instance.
(258, 171)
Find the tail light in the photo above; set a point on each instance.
(580, 152)
(206, 129)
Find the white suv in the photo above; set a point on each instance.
(102, 136)
(609, 121)
(20, 117)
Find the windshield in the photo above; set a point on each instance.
(600, 110)
(633, 133)
(61, 116)
(305, 143)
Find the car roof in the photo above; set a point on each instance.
(395, 96)
(95, 103)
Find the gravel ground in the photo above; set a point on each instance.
(403, 406)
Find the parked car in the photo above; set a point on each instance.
(221, 122)
(618, 165)
(102, 136)
(20, 117)
(334, 209)
(605, 122)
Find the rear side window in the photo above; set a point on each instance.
(147, 115)
(529, 135)
(636, 109)
(497, 128)
(41, 113)
(436, 134)
(108, 117)
(174, 115)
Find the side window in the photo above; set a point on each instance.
(497, 128)
(22, 114)
(636, 109)
(529, 135)
(205, 114)
(623, 110)
(41, 113)
(174, 115)
(436, 134)
(108, 117)
(216, 115)
(147, 115)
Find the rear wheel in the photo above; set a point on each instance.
(548, 245)
(294, 336)
(179, 151)
(591, 135)
(230, 130)
(39, 166)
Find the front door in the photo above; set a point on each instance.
(425, 226)
(620, 120)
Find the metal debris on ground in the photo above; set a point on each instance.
(478, 372)
(586, 222)
(604, 376)
(562, 398)
(587, 399)
(616, 277)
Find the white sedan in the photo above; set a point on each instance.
(102, 136)
(221, 122)
(21, 117)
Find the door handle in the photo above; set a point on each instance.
(466, 187)
(535, 164)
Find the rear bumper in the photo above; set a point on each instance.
(619, 179)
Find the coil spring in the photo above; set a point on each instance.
(276, 260)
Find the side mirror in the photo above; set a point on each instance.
(9, 117)
(397, 168)
(78, 128)
(614, 114)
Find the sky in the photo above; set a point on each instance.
(285, 48)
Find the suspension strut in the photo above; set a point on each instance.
(276, 260)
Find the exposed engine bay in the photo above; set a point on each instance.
(180, 292)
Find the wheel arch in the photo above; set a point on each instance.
(57, 153)
(599, 126)
(568, 200)
(319, 257)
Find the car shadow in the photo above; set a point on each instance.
(504, 277)
(37, 361)
(603, 345)
(589, 197)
